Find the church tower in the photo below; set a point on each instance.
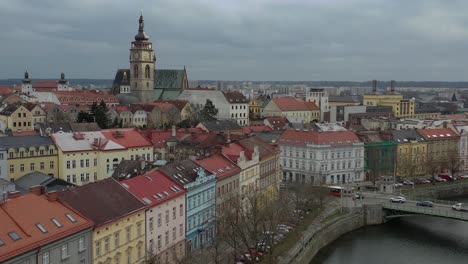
(62, 83)
(142, 63)
(26, 86)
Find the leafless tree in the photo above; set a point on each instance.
(453, 162)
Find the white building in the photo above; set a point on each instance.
(463, 147)
(230, 105)
(320, 97)
(328, 157)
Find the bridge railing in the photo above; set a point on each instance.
(438, 187)
(448, 213)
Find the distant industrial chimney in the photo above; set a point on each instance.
(392, 86)
(374, 86)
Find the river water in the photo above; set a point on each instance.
(408, 240)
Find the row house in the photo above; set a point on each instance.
(91, 156)
(26, 154)
(321, 157)
(292, 107)
(62, 113)
(119, 220)
(411, 153)
(37, 112)
(184, 107)
(462, 130)
(200, 201)
(227, 179)
(122, 114)
(140, 116)
(165, 216)
(269, 164)
(249, 162)
(379, 153)
(442, 148)
(17, 118)
(37, 228)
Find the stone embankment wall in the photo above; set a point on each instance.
(328, 232)
(441, 192)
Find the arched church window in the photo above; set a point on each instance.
(135, 71)
(147, 72)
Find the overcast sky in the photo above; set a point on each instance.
(240, 39)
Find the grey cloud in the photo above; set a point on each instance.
(240, 40)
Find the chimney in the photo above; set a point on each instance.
(52, 196)
(13, 194)
(392, 86)
(374, 86)
(173, 131)
(37, 190)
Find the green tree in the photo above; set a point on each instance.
(209, 111)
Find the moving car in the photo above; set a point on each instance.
(425, 204)
(398, 199)
(459, 207)
(406, 182)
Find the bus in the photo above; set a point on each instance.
(337, 191)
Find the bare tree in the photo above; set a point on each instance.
(432, 167)
(453, 162)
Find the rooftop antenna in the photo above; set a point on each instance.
(141, 11)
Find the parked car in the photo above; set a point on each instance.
(425, 204)
(398, 199)
(407, 182)
(398, 184)
(463, 176)
(426, 181)
(446, 176)
(438, 179)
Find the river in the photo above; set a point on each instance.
(408, 240)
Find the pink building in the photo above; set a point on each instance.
(165, 217)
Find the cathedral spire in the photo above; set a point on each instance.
(141, 29)
(26, 77)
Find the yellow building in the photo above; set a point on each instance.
(119, 221)
(411, 153)
(255, 107)
(17, 118)
(334, 101)
(400, 107)
(442, 148)
(91, 156)
(38, 114)
(26, 154)
(295, 108)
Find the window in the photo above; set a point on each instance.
(98, 248)
(68, 164)
(129, 233)
(106, 245)
(73, 164)
(167, 216)
(43, 230)
(51, 165)
(81, 244)
(12, 168)
(129, 256)
(181, 229)
(159, 219)
(87, 163)
(150, 224)
(139, 229)
(147, 72)
(139, 252)
(71, 218)
(42, 165)
(81, 163)
(117, 239)
(22, 167)
(181, 209)
(95, 162)
(174, 233)
(45, 258)
(11, 154)
(64, 251)
(159, 241)
(174, 213)
(166, 238)
(56, 222)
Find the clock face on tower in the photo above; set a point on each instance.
(135, 55)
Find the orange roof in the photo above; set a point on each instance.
(45, 85)
(21, 216)
(277, 122)
(334, 138)
(438, 133)
(127, 137)
(163, 106)
(120, 108)
(294, 104)
(219, 165)
(87, 97)
(180, 104)
(4, 89)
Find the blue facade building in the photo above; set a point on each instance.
(200, 201)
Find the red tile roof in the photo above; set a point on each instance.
(438, 133)
(277, 122)
(265, 149)
(153, 188)
(103, 201)
(21, 215)
(334, 138)
(45, 85)
(127, 137)
(180, 104)
(163, 106)
(261, 128)
(235, 98)
(120, 108)
(219, 165)
(233, 150)
(85, 97)
(294, 104)
(4, 89)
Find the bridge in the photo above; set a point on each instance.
(409, 208)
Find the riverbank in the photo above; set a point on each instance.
(319, 235)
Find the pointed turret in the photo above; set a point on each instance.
(454, 98)
(26, 86)
(26, 77)
(141, 36)
(62, 83)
